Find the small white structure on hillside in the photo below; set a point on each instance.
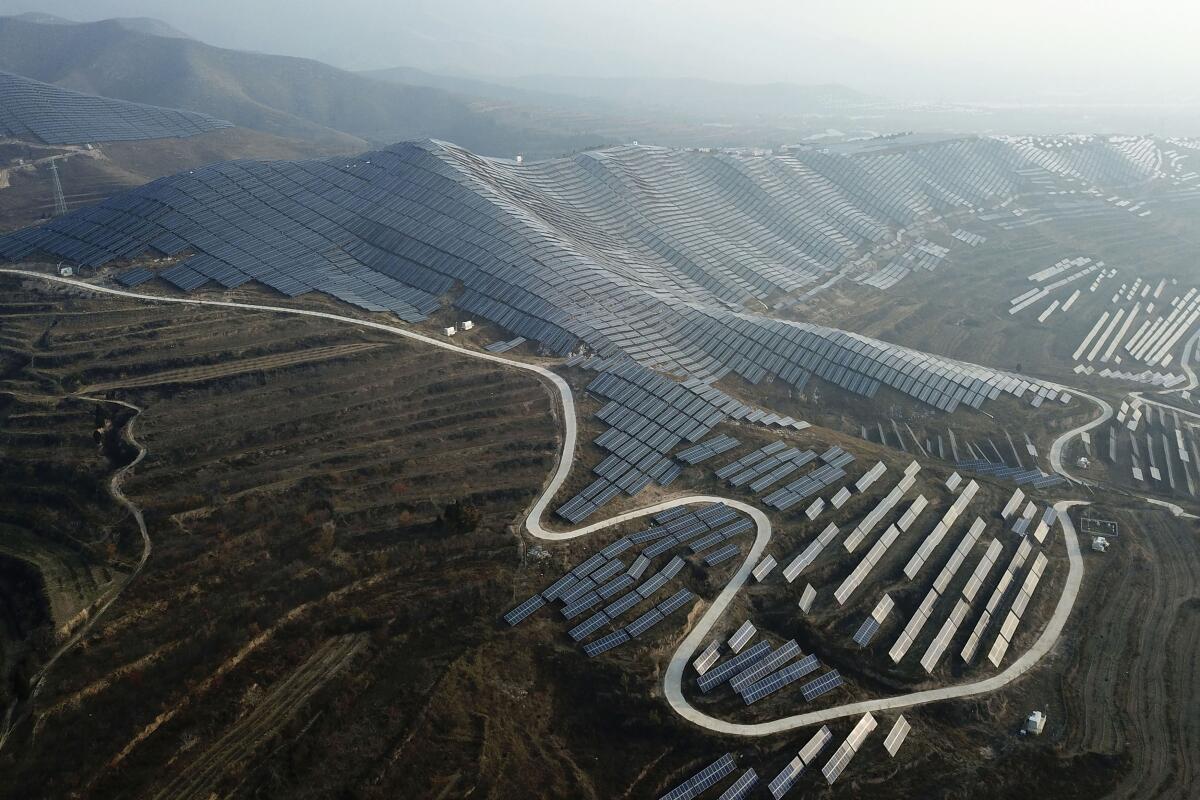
(467, 325)
(1035, 724)
(1100, 544)
(450, 331)
(66, 272)
(1083, 462)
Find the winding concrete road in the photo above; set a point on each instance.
(674, 676)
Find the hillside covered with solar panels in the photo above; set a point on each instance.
(658, 254)
(416, 434)
(47, 113)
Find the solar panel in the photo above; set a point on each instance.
(644, 623)
(776, 681)
(813, 747)
(866, 632)
(707, 658)
(742, 787)
(524, 610)
(606, 643)
(589, 626)
(896, 736)
(787, 778)
(741, 636)
(723, 672)
(703, 780)
(396, 229)
(724, 554)
(675, 602)
(827, 682)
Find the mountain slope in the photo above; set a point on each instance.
(54, 115)
(698, 97)
(644, 252)
(291, 97)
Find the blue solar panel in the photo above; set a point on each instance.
(866, 632)
(397, 228)
(606, 643)
(775, 682)
(724, 554)
(702, 780)
(827, 682)
(723, 672)
(54, 115)
(524, 610)
(742, 787)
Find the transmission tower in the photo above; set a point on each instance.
(60, 202)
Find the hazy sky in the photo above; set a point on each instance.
(1051, 50)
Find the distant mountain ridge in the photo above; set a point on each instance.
(694, 97)
(148, 25)
(700, 96)
(285, 96)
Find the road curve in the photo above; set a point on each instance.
(1019, 667)
(677, 666)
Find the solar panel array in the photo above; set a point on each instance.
(809, 554)
(702, 780)
(723, 672)
(875, 515)
(939, 531)
(1020, 603)
(602, 576)
(1022, 477)
(941, 640)
(896, 736)
(787, 778)
(776, 659)
(865, 565)
(641, 251)
(822, 685)
(841, 757)
(648, 414)
(808, 485)
(31, 109)
(777, 680)
(707, 449)
(728, 532)
(993, 603)
(742, 787)
(925, 610)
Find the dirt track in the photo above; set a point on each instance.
(1132, 685)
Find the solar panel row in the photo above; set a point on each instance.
(633, 251)
(31, 109)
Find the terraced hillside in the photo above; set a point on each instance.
(307, 625)
(62, 538)
(303, 482)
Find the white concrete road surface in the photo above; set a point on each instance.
(678, 665)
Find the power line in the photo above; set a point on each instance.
(60, 203)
